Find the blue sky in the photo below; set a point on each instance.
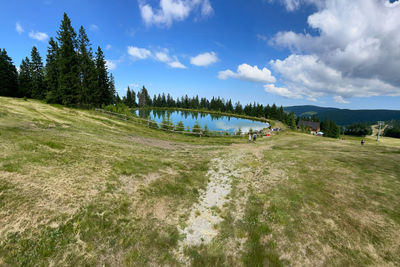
(288, 52)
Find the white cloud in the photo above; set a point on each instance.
(111, 65)
(18, 28)
(163, 57)
(94, 28)
(40, 36)
(309, 76)
(205, 59)
(354, 54)
(248, 73)
(176, 65)
(172, 10)
(138, 53)
(282, 91)
(292, 5)
(340, 99)
(108, 47)
(133, 85)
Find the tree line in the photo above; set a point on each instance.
(392, 129)
(143, 99)
(72, 75)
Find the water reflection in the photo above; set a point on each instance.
(214, 122)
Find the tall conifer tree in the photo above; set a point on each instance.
(68, 67)
(25, 78)
(8, 75)
(103, 90)
(87, 68)
(38, 88)
(52, 73)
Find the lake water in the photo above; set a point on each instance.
(213, 122)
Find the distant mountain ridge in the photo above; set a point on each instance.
(345, 116)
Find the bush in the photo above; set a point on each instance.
(196, 128)
(180, 127)
(153, 124)
(205, 130)
(392, 132)
(167, 124)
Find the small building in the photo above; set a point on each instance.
(314, 127)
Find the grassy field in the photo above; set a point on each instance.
(82, 188)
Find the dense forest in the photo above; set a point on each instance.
(358, 129)
(393, 129)
(345, 117)
(72, 75)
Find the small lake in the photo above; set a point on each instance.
(213, 122)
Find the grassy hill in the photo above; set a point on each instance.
(82, 188)
(345, 116)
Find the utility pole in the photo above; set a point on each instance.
(380, 123)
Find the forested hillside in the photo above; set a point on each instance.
(345, 116)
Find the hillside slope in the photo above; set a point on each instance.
(82, 188)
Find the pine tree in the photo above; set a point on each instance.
(144, 98)
(134, 104)
(325, 127)
(25, 79)
(103, 89)
(128, 99)
(8, 76)
(111, 89)
(52, 74)
(87, 68)
(38, 88)
(69, 80)
(292, 121)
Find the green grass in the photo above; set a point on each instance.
(82, 188)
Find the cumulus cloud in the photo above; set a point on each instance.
(40, 36)
(108, 47)
(340, 99)
(204, 60)
(133, 85)
(111, 65)
(176, 65)
(307, 75)
(138, 53)
(18, 28)
(282, 91)
(246, 72)
(354, 54)
(172, 10)
(161, 56)
(292, 5)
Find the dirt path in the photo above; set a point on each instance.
(204, 215)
